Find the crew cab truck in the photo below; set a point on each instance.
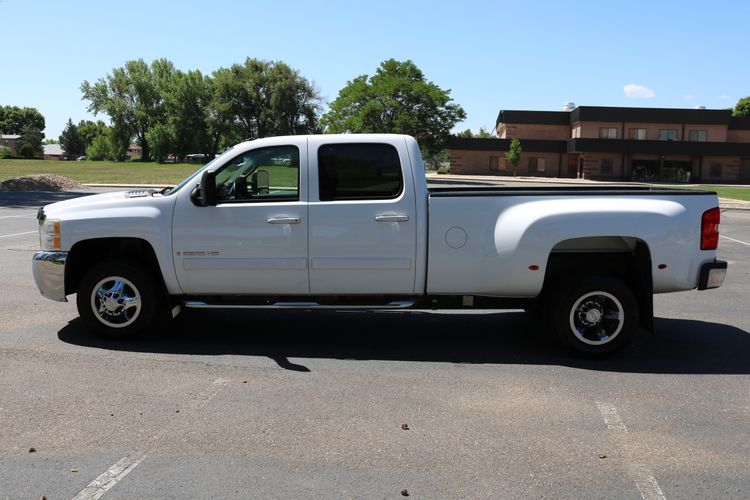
(348, 221)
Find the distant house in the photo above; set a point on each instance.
(53, 152)
(134, 151)
(10, 141)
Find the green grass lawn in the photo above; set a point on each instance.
(735, 193)
(104, 172)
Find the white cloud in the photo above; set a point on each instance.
(635, 91)
(690, 97)
(723, 97)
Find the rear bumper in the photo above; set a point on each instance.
(712, 275)
(49, 274)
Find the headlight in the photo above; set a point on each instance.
(49, 235)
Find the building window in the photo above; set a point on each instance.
(698, 135)
(576, 134)
(607, 133)
(606, 165)
(537, 165)
(668, 134)
(494, 163)
(637, 134)
(716, 170)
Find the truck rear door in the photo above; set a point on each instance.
(362, 213)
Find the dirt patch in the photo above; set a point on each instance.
(43, 182)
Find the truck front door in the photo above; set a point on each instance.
(362, 217)
(254, 241)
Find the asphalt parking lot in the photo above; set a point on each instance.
(315, 404)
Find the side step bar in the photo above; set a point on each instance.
(195, 304)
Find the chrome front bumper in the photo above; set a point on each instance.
(49, 274)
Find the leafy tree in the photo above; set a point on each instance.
(485, 134)
(186, 129)
(132, 97)
(5, 152)
(743, 107)
(26, 150)
(262, 98)
(71, 141)
(15, 120)
(514, 154)
(88, 130)
(162, 140)
(33, 137)
(99, 148)
(397, 99)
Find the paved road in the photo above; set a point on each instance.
(257, 405)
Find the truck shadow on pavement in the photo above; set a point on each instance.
(679, 347)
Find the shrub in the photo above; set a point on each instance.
(444, 170)
(135, 158)
(27, 151)
(5, 152)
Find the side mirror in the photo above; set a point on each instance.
(204, 194)
(260, 182)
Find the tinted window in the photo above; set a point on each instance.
(358, 171)
(264, 174)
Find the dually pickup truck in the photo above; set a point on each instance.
(348, 221)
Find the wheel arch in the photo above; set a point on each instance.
(87, 253)
(626, 258)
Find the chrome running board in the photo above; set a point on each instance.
(195, 304)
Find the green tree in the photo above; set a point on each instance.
(186, 129)
(14, 120)
(742, 108)
(88, 130)
(71, 141)
(99, 148)
(465, 134)
(397, 99)
(262, 98)
(4, 152)
(486, 134)
(162, 139)
(132, 97)
(26, 150)
(514, 154)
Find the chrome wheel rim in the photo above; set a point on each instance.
(116, 302)
(596, 318)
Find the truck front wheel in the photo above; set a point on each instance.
(118, 299)
(594, 315)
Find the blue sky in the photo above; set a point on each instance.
(492, 55)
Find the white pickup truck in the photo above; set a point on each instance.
(348, 221)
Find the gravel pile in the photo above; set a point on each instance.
(43, 182)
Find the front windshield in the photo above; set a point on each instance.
(194, 174)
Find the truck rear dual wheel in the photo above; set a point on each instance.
(594, 315)
(118, 299)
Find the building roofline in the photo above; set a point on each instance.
(623, 114)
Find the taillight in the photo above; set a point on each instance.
(710, 229)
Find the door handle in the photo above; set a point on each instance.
(391, 218)
(283, 220)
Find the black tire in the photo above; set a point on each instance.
(128, 301)
(594, 315)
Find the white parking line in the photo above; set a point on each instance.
(646, 483)
(16, 234)
(732, 239)
(108, 479)
(15, 216)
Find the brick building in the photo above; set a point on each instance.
(614, 144)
